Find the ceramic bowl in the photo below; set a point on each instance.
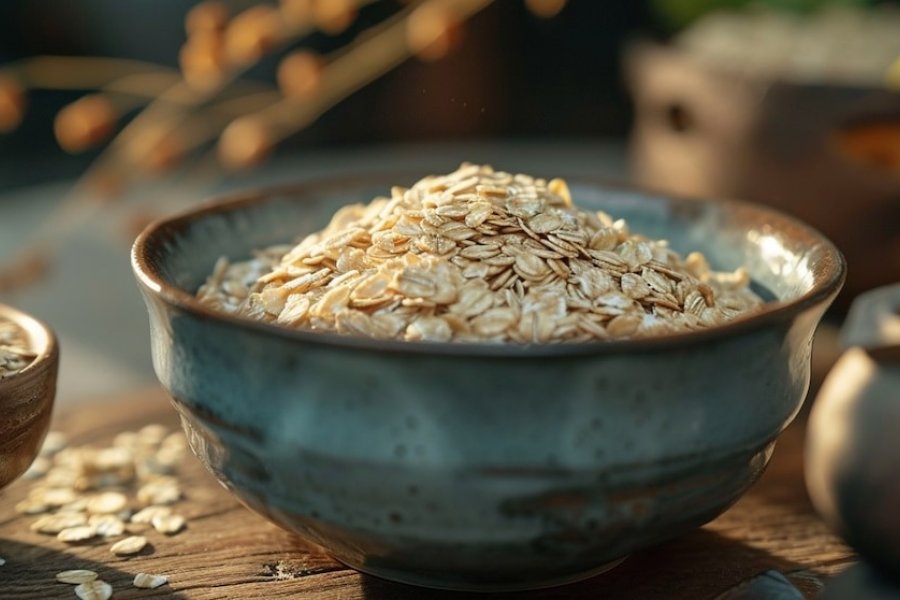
(481, 467)
(26, 398)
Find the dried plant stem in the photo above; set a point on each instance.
(79, 72)
(383, 48)
(380, 49)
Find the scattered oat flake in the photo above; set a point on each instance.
(128, 546)
(107, 525)
(76, 576)
(149, 582)
(107, 503)
(31, 507)
(76, 534)
(58, 496)
(159, 492)
(146, 515)
(53, 524)
(153, 433)
(94, 590)
(168, 524)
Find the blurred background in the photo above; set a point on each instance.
(113, 113)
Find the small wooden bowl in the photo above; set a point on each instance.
(26, 398)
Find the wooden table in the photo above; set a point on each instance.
(229, 552)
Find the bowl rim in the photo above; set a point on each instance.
(827, 281)
(47, 350)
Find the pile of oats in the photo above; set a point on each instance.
(119, 494)
(479, 256)
(15, 353)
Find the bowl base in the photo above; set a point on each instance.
(461, 584)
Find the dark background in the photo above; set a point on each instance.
(513, 76)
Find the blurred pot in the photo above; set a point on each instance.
(828, 154)
(853, 443)
(26, 398)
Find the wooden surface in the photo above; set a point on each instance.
(229, 552)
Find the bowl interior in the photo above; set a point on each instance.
(39, 338)
(26, 398)
(787, 260)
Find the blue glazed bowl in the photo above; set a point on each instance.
(483, 467)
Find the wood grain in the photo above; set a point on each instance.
(229, 552)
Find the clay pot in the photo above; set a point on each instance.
(825, 153)
(853, 445)
(26, 398)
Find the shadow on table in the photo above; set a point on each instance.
(30, 572)
(699, 565)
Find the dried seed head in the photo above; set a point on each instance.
(85, 123)
(12, 104)
(149, 582)
(252, 34)
(334, 16)
(94, 590)
(297, 13)
(246, 142)
(76, 576)
(206, 16)
(300, 74)
(129, 546)
(432, 31)
(545, 9)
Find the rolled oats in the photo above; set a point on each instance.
(54, 524)
(87, 492)
(107, 503)
(107, 525)
(94, 590)
(130, 545)
(168, 524)
(76, 576)
(479, 256)
(76, 534)
(148, 581)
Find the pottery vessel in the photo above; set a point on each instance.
(853, 445)
(485, 467)
(704, 129)
(26, 398)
